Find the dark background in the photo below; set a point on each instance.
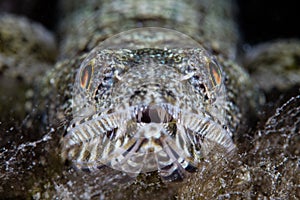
(43, 11)
(263, 20)
(259, 20)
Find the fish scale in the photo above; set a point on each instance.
(161, 63)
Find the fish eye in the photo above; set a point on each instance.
(215, 74)
(86, 76)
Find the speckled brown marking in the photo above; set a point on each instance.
(156, 129)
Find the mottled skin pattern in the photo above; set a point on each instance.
(166, 14)
(199, 28)
(260, 168)
(118, 93)
(105, 21)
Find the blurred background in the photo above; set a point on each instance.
(258, 20)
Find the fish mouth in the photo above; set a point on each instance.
(145, 138)
(153, 114)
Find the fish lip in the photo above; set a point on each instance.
(142, 115)
(169, 114)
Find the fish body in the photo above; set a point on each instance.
(150, 98)
(142, 101)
